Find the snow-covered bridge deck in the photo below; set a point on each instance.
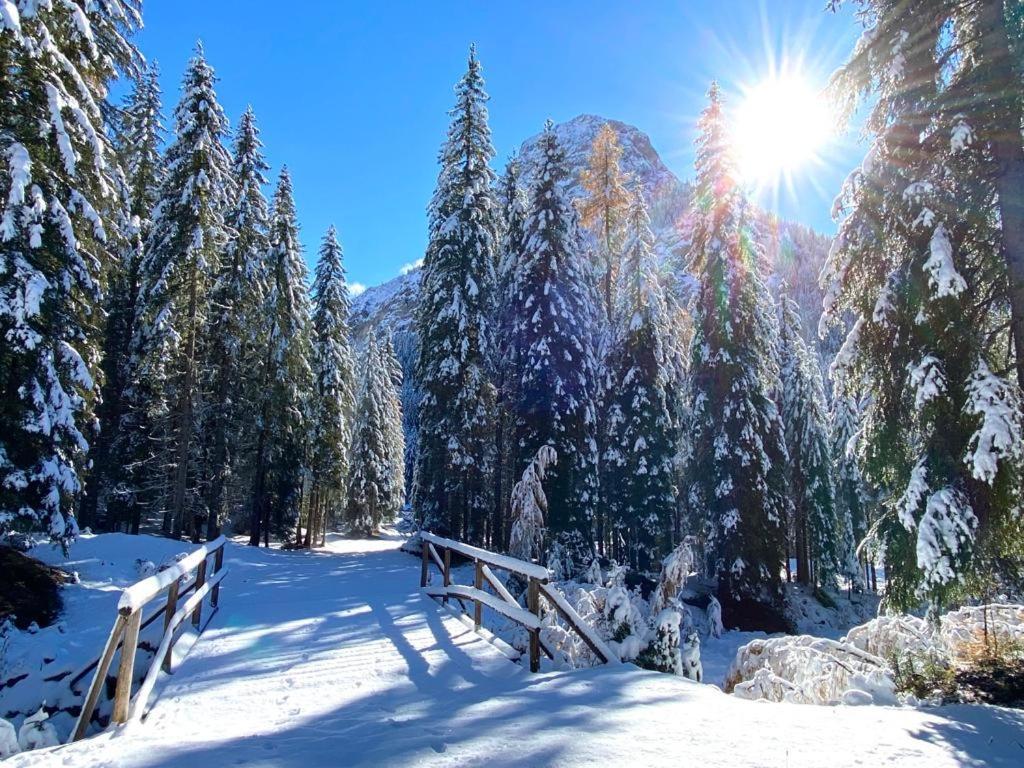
(336, 659)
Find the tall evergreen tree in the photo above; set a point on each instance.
(918, 263)
(514, 203)
(555, 306)
(281, 459)
(738, 458)
(818, 541)
(851, 493)
(110, 500)
(333, 387)
(394, 434)
(60, 202)
(183, 255)
(638, 463)
(456, 444)
(236, 314)
(374, 482)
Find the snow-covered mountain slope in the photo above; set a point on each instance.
(797, 251)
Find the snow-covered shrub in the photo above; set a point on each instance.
(144, 568)
(714, 612)
(890, 636)
(8, 740)
(36, 732)
(662, 652)
(529, 505)
(809, 670)
(689, 655)
(675, 569)
(624, 614)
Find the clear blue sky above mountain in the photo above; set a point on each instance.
(353, 96)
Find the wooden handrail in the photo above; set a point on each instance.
(502, 601)
(129, 622)
(504, 562)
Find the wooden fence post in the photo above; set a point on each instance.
(533, 606)
(479, 584)
(447, 571)
(425, 567)
(126, 668)
(172, 607)
(197, 614)
(98, 680)
(218, 563)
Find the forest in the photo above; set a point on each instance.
(170, 364)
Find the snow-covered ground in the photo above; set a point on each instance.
(334, 658)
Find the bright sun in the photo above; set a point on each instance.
(781, 126)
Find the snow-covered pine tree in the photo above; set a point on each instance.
(373, 498)
(851, 495)
(555, 306)
(407, 351)
(333, 389)
(109, 499)
(604, 209)
(514, 203)
(977, 106)
(183, 253)
(736, 480)
(236, 336)
(817, 531)
(394, 444)
(917, 262)
(456, 441)
(640, 444)
(281, 443)
(57, 235)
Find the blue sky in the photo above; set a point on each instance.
(353, 96)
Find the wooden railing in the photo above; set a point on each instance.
(130, 622)
(438, 550)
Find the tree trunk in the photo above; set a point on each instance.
(259, 482)
(185, 406)
(1002, 79)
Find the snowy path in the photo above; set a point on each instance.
(335, 659)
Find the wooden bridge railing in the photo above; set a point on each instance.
(438, 550)
(205, 581)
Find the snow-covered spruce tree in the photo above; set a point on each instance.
(917, 262)
(977, 103)
(407, 351)
(183, 254)
(456, 441)
(282, 429)
(109, 501)
(373, 498)
(604, 209)
(736, 468)
(394, 430)
(514, 203)
(817, 541)
(235, 335)
(529, 506)
(58, 233)
(555, 307)
(640, 444)
(851, 494)
(333, 389)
